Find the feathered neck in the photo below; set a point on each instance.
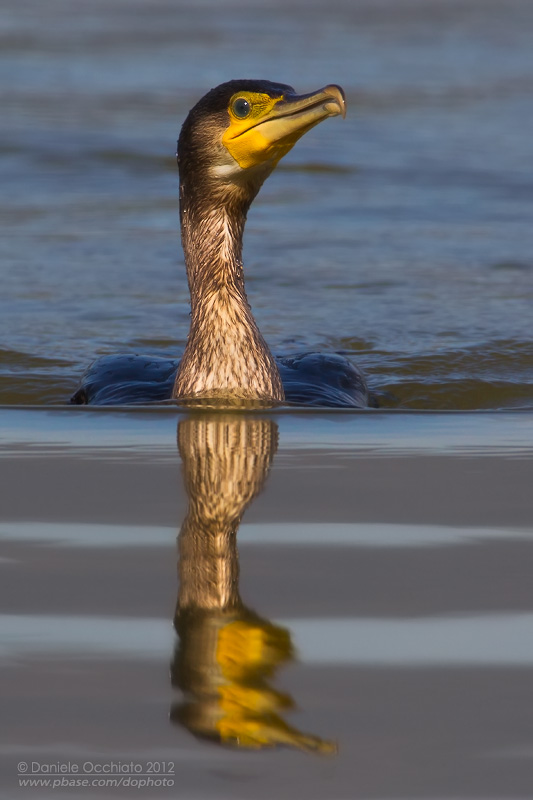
(225, 355)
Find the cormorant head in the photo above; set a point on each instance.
(236, 134)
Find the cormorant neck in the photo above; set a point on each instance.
(211, 235)
(225, 355)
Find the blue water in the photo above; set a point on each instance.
(402, 236)
(382, 569)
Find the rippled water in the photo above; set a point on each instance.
(402, 236)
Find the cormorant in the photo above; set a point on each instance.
(229, 144)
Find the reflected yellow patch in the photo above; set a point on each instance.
(247, 652)
(245, 648)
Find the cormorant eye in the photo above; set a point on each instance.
(241, 107)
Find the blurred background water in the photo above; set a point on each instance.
(402, 236)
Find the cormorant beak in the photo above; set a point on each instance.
(309, 109)
(270, 137)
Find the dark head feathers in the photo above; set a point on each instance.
(217, 99)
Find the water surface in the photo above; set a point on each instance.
(366, 577)
(402, 236)
(365, 629)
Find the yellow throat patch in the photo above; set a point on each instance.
(247, 138)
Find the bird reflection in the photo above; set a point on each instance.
(227, 655)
